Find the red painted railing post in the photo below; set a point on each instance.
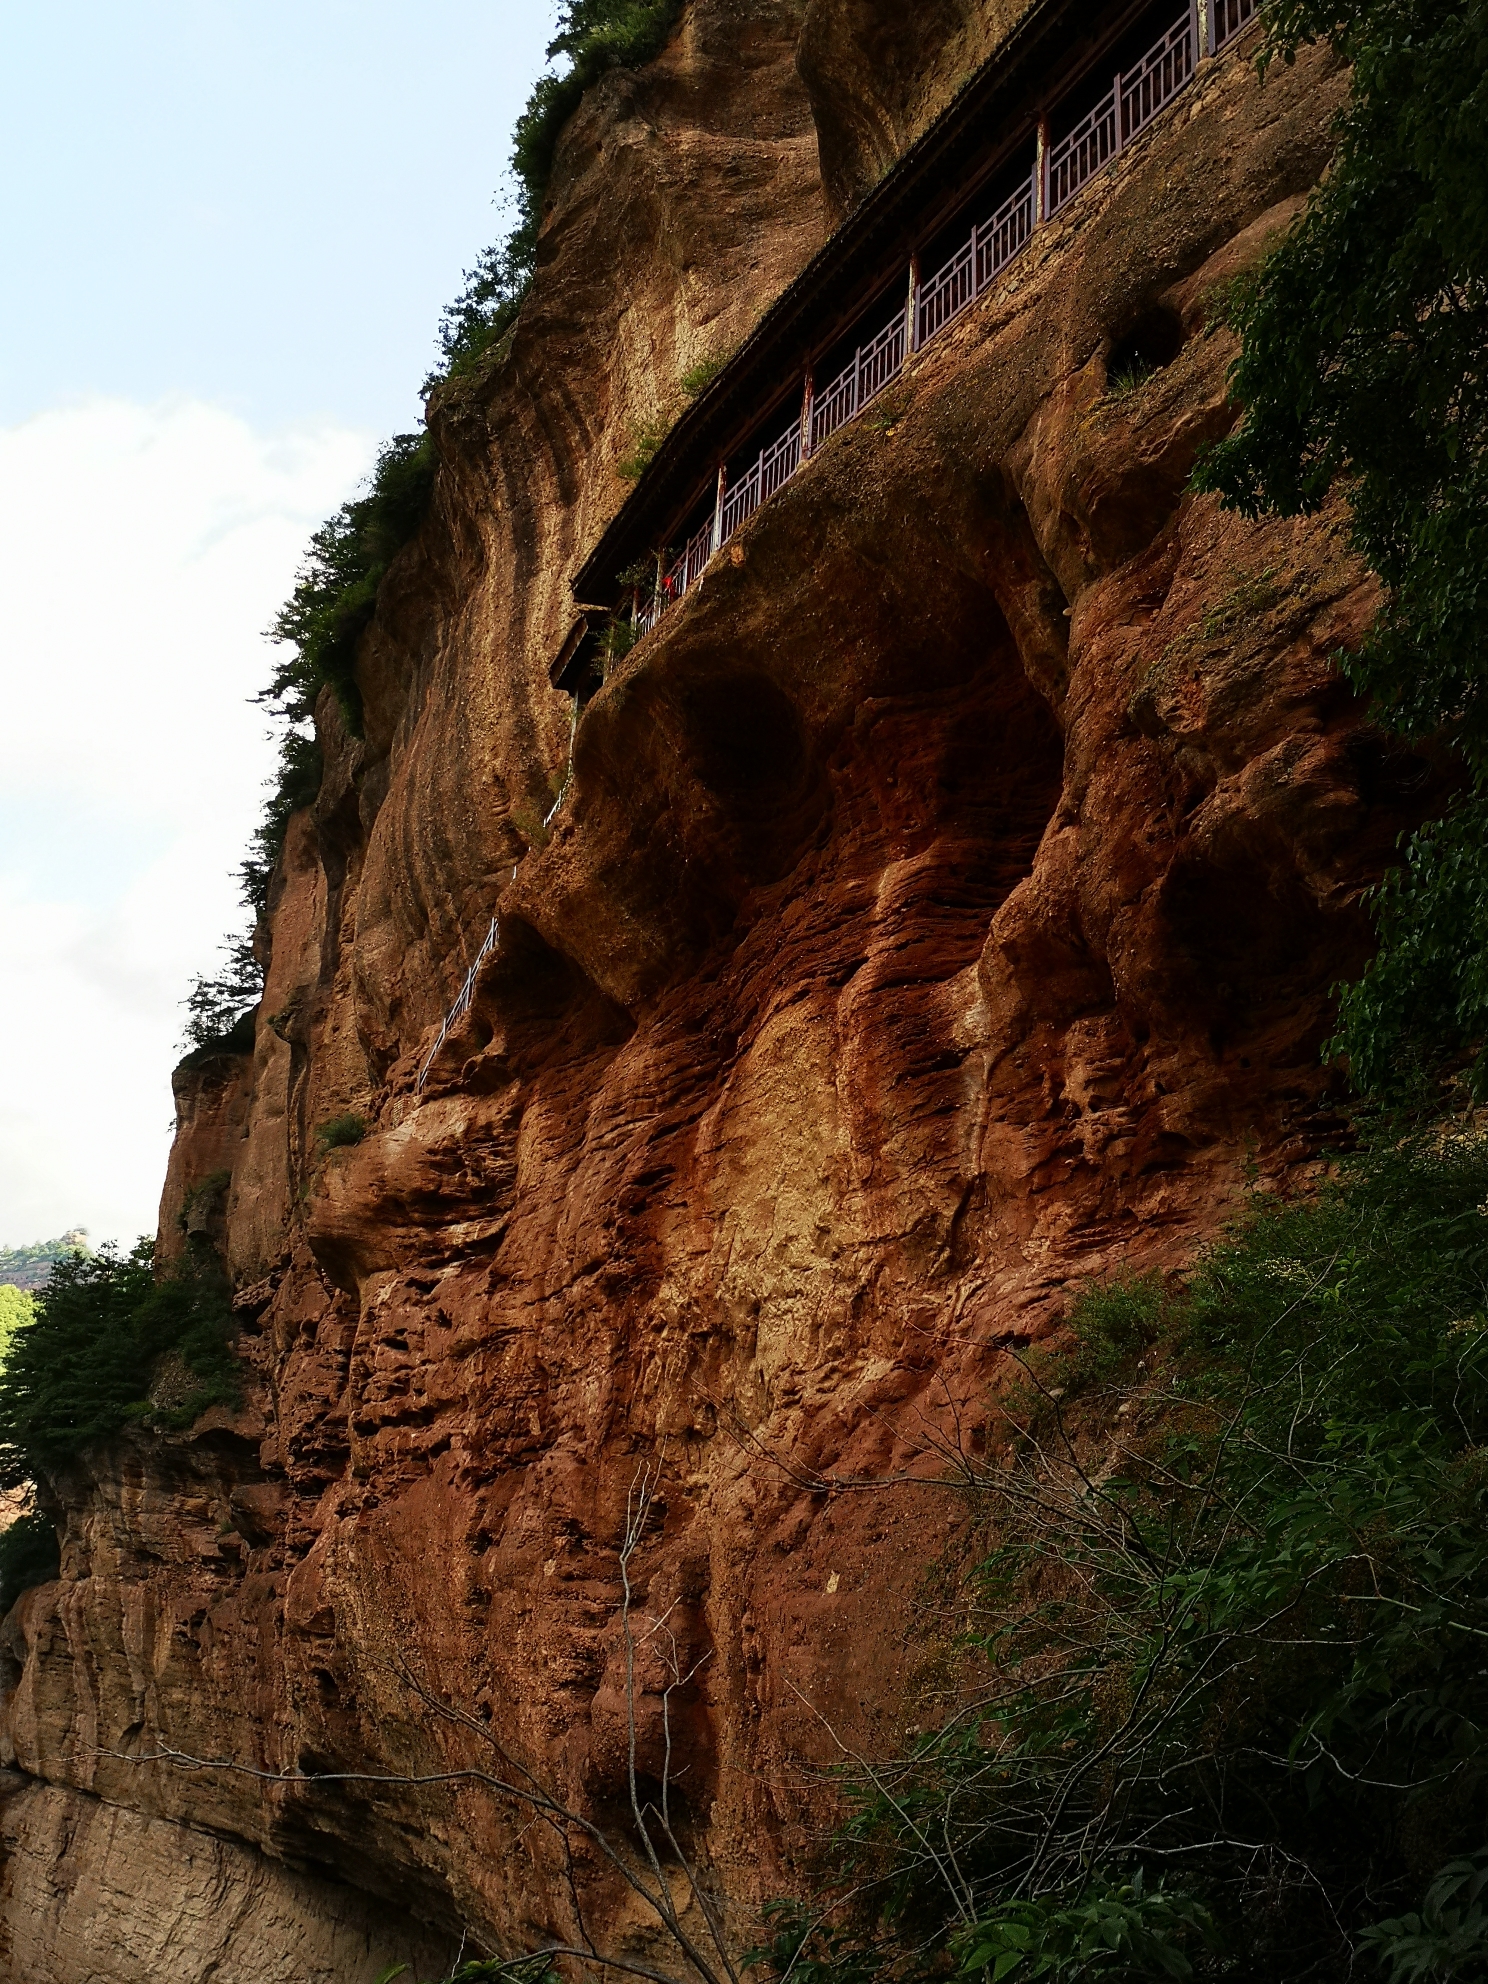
(808, 407)
(911, 308)
(1041, 173)
(718, 509)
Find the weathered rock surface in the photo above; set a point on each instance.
(941, 911)
(91, 1892)
(878, 75)
(213, 1096)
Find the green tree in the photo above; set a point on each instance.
(1364, 339)
(82, 1368)
(217, 1004)
(16, 1310)
(28, 1556)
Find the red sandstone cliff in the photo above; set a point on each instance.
(942, 910)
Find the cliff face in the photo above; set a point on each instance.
(941, 911)
(94, 1891)
(876, 76)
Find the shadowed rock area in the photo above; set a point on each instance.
(942, 910)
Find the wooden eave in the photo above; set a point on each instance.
(1052, 45)
(567, 667)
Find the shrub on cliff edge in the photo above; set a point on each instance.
(596, 36)
(1364, 336)
(336, 589)
(219, 1002)
(341, 1132)
(335, 592)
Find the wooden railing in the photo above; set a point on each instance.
(1226, 19)
(992, 246)
(873, 365)
(1125, 111)
(1136, 96)
(1081, 154)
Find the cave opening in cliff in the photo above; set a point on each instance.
(1146, 346)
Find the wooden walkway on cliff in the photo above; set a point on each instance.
(1069, 90)
(1063, 97)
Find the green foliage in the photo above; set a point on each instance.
(17, 1309)
(619, 637)
(28, 1267)
(596, 36)
(1130, 379)
(293, 787)
(321, 623)
(239, 1038)
(1124, 1930)
(807, 1947)
(486, 309)
(1363, 337)
(28, 1556)
(701, 376)
(215, 1006)
(531, 825)
(641, 449)
(886, 411)
(1427, 987)
(341, 1132)
(336, 590)
(213, 1187)
(1234, 1719)
(1362, 369)
(1252, 593)
(1448, 1938)
(536, 1969)
(83, 1368)
(1113, 1323)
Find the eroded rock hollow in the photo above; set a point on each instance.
(941, 910)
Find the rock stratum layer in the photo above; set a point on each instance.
(941, 911)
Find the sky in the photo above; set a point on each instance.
(226, 235)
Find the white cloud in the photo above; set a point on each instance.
(142, 551)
